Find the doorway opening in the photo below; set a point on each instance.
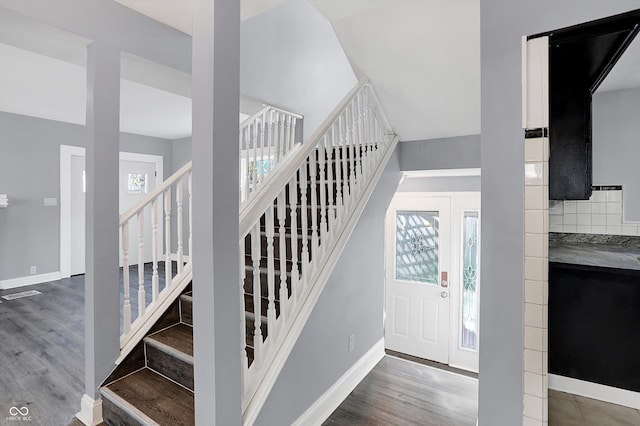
(432, 260)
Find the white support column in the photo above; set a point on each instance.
(216, 71)
(102, 311)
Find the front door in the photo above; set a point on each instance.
(417, 264)
(432, 277)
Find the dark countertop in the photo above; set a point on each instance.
(602, 251)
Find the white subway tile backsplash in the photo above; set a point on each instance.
(570, 207)
(614, 230)
(533, 361)
(584, 218)
(534, 150)
(534, 197)
(598, 219)
(556, 207)
(614, 219)
(534, 245)
(557, 220)
(534, 292)
(533, 338)
(533, 407)
(533, 384)
(614, 196)
(601, 214)
(584, 207)
(535, 268)
(533, 174)
(599, 208)
(570, 219)
(629, 229)
(557, 228)
(533, 315)
(534, 221)
(614, 208)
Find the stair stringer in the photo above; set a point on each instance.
(277, 357)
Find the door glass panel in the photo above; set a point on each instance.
(417, 246)
(469, 337)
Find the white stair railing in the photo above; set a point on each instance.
(266, 139)
(311, 203)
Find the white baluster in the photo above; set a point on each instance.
(286, 140)
(254, 173)
(155, 279)
(141, 294)
(179, 185)
(293, 200)
(271, 272)
(168, 275)
(273, 139)
(357, 147)
(261, 171)
(292, 137)
(245, 158)
(126, 305)
(190, 189)
(257, 293)
(281, 127)
(282, 254)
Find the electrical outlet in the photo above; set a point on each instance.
(33, 270)
(352, 342)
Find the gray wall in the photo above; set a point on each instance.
(503, 23)
(290, 57)
(29, 172)
(352, 302)
(440, 184)
(616, 145)
(180, 154)
(461, 152)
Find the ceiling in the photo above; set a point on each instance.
(422, 56)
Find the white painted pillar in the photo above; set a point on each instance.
(216, 289)
(102, 311)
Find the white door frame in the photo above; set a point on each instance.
(66, 152)
(454, 290)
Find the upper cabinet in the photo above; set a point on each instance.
(580, 58)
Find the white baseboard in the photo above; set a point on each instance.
(90, 411)
(595, 391)
(333, 397)
(29, 280)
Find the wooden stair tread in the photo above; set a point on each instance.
(179, 337)
(158, 398)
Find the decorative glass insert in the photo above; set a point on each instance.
(137, 183)
(417, 246)
(469, 323)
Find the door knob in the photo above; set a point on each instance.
(444, 294)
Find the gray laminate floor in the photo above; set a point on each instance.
(402, 392)
(566, 409)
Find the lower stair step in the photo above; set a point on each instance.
(147, 398)
(170, 353)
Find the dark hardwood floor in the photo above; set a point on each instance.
(403, 392)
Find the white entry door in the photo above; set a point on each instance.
(138, 176)
(417, 264)
(137, 179)
(432, 277)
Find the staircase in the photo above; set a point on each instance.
(299, 205)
